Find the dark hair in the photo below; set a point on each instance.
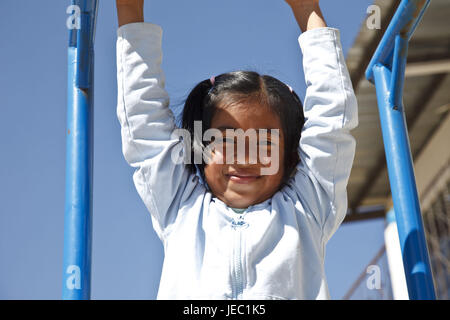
(241, 86)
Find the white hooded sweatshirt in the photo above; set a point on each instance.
(273, 250)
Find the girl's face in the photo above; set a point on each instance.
(243, 183)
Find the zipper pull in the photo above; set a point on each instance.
(239, 223)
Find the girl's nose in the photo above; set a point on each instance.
(246, 152)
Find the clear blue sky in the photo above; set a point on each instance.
(201, 39)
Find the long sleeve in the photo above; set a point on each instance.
(326, 146)
(147, 124)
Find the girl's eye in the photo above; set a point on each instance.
(265, 143)
(228, 140)
(222, 140)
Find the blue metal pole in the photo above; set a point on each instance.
(387, 71)
(404, 22)
(79, 156)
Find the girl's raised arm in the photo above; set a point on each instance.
(326, 146)
(307, 13)
(147, 123)
(130, 11)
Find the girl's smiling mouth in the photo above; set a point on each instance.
(242, 177)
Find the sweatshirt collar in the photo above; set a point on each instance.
(257, 206)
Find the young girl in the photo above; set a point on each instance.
(230, 231)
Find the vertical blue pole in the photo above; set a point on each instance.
(79, 154)
(403, 185)
(387, 71)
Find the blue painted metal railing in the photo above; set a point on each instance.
(79, 152)
(387, 71)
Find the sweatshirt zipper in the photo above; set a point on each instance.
(237, 276)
